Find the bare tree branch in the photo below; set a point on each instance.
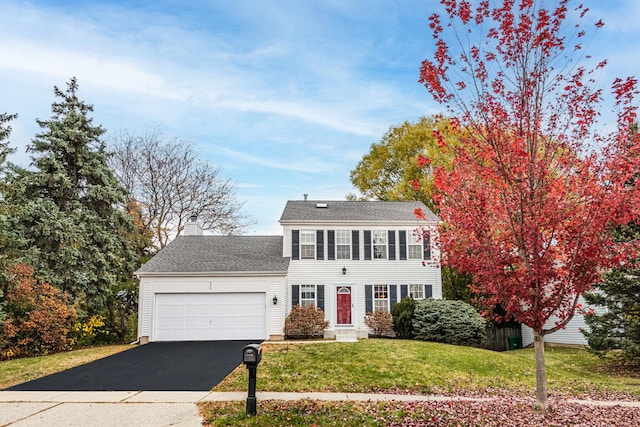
(170, 182)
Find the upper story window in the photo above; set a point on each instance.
(343, 244)
(414, 245)
(379, 241)
(418, 246)
(307, 244)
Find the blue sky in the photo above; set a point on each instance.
(284, 96)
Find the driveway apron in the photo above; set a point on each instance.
(158, 366)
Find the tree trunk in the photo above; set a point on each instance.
(541, 372)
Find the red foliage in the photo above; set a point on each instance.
(534, 191)
(524, 203)
(423, 161)
(39, 320)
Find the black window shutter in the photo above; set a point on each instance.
(393, 295)
(295, 295)
(428, 293)
(426, 245)
(355, 244)
(404, 291)
(319, 244)
(367, 244)
(392, 244)
(320, 296)
(368, 298)
(331, 244)
(402, 243)
(295, 244)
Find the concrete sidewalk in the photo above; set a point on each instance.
(164, 408)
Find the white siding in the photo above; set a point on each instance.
(359, 272)
(569, 335)
(320, 272)
(144, 309)
(275, 324)
(267, 286)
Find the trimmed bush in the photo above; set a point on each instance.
(402, 314)
(451, 322)
(380, 323)
(305, 321)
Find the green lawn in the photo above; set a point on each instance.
(17, 371)
(423, 367)
(379, 365)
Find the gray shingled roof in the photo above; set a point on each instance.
(205, 254)
(299, 211)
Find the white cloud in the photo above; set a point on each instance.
(292, 92)
(282, 75)
(97, 70)
(306, 165)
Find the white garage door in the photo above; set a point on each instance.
(204, 317)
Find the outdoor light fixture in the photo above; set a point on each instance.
(344, 270)
(275, 300)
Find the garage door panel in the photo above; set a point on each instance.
(225, 316)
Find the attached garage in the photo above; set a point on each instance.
(210, 317)
(212, 288)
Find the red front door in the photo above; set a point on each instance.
(343, 298)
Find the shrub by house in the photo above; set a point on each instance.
(305, 321)
(451, 322)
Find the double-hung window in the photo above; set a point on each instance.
(381, 297)
(308, 295)
(414, 245)
(307, 244)
(416, 291)
(343, 244)
(379, 241)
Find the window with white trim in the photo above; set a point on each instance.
(308, 295)
(416, 291)
(379, 241)
(381, 297)
(343, 244)
(307, 244)
(414, 245)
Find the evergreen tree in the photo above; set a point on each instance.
(617, 327)
(73, 207)
(7, 236)
(5, 131)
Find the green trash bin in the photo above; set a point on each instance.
(515, 343)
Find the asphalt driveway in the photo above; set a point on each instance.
(158, 366)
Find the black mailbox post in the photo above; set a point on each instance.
(251, 356)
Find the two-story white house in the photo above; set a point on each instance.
(346, 257)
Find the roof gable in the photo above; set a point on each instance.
(225, 254)
(300, 211)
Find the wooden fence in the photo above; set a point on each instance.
(498, 338)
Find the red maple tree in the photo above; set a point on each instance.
(534, 190)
